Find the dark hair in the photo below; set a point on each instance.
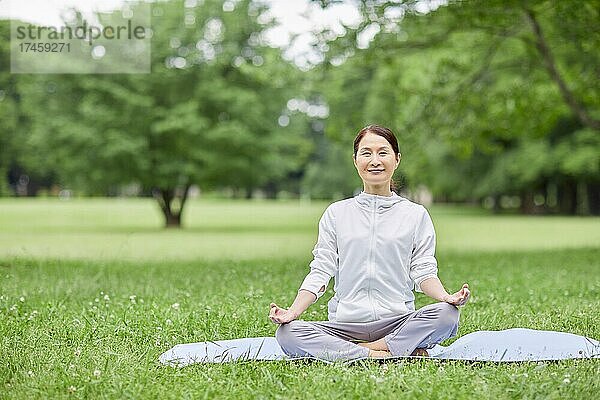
(385, 133)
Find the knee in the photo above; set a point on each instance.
(448, 315)
(287, 335)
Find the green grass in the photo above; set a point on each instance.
(60, 337)
(131, 229)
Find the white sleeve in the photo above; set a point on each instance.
(325, 257)
(423, 264)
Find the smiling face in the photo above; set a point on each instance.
(376, 162)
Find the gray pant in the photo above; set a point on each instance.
(332, 341)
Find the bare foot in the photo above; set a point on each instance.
(420, 353)
(376, 345)
(379, 354)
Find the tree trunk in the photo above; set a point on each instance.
(551, 196)
(270, 190)
(567, 197)
(496, 208)
(172, 220)
(593, 197)
(527, 204)
(165, 198)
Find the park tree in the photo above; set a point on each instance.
(479, 93)
(208, 114)
(9, 109)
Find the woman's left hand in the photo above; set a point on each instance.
(279, 315)
(459, 298)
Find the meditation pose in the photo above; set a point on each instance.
(378, 247)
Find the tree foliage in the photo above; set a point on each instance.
(489, 99)
(479, 93)
(207, 114)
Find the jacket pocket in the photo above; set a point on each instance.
(354, 308)
(386, 308)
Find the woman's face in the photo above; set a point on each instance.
(375, 160)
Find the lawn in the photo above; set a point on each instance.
(81, 319)
(131, 229)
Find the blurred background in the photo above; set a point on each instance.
(495, 103)
(173, 203)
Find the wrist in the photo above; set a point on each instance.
(294, 312)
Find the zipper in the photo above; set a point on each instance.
(370, 260)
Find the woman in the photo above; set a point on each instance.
(377, 246)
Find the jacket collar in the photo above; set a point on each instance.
(370, 202)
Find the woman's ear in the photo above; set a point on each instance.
(399, 157)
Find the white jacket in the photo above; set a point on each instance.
(377, 249)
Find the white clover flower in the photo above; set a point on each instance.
(106, 298)
(97, 373)
(22, 299)
(30, 373)
(77, 352)
(566, 381)
(72, 389)
(169, 322)
(175, 306)
(132, 298)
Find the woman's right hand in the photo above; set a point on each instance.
(279, 315)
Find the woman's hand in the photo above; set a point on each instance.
(279, 315)
(459, 298)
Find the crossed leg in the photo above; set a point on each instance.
(399, 336)
(423, 329)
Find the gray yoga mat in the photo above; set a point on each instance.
(515, 344)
